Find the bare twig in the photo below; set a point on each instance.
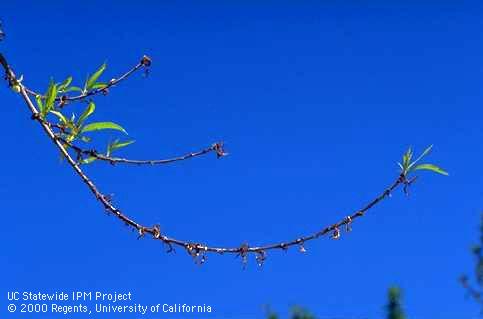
(216, 147)
(196, 250)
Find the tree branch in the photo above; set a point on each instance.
(196, 250)
(216, 147)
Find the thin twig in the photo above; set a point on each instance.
(216, 147)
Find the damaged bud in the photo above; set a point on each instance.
(156, 231)
(141, 232)
(197, 251)
(63, 101)
(243, 253)
(220, 151)
(146, 61)
(336, 233)
(302, 248)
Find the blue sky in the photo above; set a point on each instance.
(316, 102)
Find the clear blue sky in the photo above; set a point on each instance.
(316, 103)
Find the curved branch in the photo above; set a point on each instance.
(196, 250)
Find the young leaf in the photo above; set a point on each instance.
(407, 157)
(87, 112)
(88, 160)
(117, 145)
(426, 152)
(50, 98)
(93, 78)
(99, 85)
(72, 137)
(109, 149)
(406, 160)
(72, 88)
(65, 84)
(61, 117)
(431, 167)
(97, 126)
(40, 103)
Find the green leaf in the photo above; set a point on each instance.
(426, 152)
(61, 117)
(99, 85)
(88, 160)
(407, 157)
(87, 112)
(65, 84)
(73, 88)
(50, 98)
(93, 78)
(109, 149)
(431, 167)
(97, 126)
(40, 104)
(72, 137)
(406, 160)
(117, 145)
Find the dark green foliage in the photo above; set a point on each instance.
(295, 313)
(476, 291)
(477, 252)
(300, 313)
(394, 307)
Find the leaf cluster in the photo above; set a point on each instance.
(75, 127)
(409, 165)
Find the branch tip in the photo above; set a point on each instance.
(146, 61)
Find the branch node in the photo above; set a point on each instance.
(141, 232)
(360, 213)
(145, 61)
(197, 251)
(408, 183)
(156, 231)
(63, 101)
(243, 253)
(219, 149)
